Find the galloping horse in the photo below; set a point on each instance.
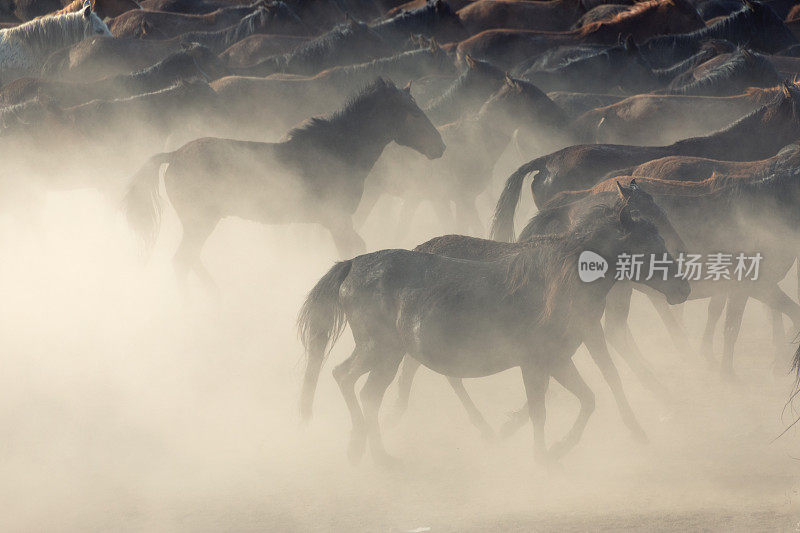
(471, 318)
(315, 175)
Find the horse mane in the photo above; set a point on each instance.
(41, 33)
(384, 62)
(557, 256)
(639, 9)
(430, 12)
(735, 27)
(762, 95)
(749, 122)
(364, 99)
(484, 68)
(530, 93)
(738, 61)
(182, 88)
(708, 50)
(316, 49)
(247, 26)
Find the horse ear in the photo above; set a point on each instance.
(508, 80)
(471, 63)
(87, 10)
(785, 88)
(350, 21)
(407, 88)
(633, 185)
(624, 192)
(433, 45)
(440, 6)
(750, 5)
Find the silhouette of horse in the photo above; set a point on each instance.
(760, 134)
(471, 319)
(315, 175)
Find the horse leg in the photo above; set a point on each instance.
(733, 323)
(407, 372)
(618, 304)
(516, 419)
(595, 342)
(473, 413)
(195, 234)
(715, 306)
(369, 198)
(782, 303)
(346, 375)
(348, 242)
(380, 377)
(536, 381)
(674, 327)
(568, 376)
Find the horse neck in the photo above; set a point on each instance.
(569, 300)
(50, 33)
(356, 138)
(745, 138)
(405, 65)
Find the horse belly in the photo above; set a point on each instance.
(468, 355)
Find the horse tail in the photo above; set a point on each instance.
(142, 202)
(320, 322)
(503, 221)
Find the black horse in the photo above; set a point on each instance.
(315, 175)
(471, 318)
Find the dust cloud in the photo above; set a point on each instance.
(128, 404)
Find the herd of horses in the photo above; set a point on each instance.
(651, 127)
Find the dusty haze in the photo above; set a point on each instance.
(125, 404)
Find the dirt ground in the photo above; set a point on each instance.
(126, 404)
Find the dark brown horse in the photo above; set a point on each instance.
(193, 62)
(758, 135)
(653, 119)
(162, 25)
(475, 143)
(654, 17)
(461, 247)
(748, 213)
(315, 175)
(471, 319)
(555, 15)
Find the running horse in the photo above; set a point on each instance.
(316, 174)
(466, 318)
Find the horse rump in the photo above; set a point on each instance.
(319, 324)
(142, 202)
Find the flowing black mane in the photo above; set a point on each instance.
(741, 70)
(754, 25)
(255, 22)
(368, 98)
(424, 21)
(481, 72)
